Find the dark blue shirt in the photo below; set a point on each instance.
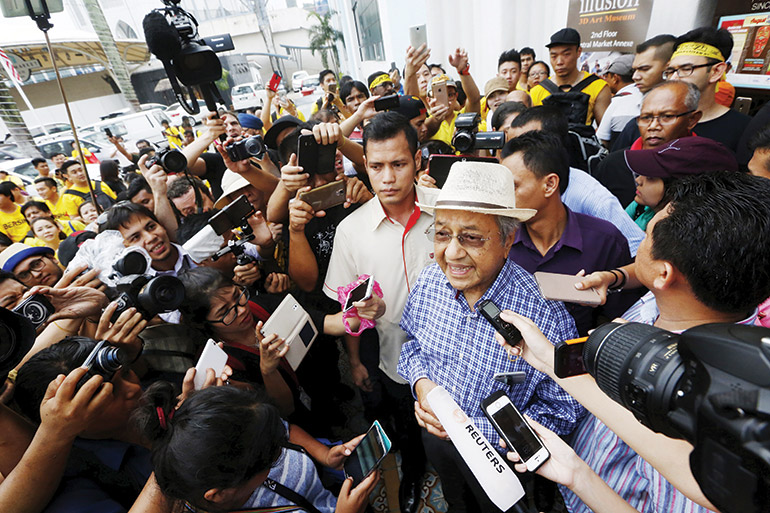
(587, 243)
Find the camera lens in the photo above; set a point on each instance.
(638, 366)
(173, 161)
(463, 141)
(108, 360)
(132, 262)
(254, 146)
(489, 141)
(161, 294)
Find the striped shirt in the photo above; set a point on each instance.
(454, 346)
(616, 463)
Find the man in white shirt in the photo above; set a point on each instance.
(626, 99)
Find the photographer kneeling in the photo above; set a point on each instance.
(702, 259)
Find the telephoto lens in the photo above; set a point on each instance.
(638, 366)
(134, 262)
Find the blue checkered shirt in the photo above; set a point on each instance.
(455, 347)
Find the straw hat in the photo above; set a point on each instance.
(231, 182)
(482, 187)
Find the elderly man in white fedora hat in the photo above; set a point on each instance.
(451, 344)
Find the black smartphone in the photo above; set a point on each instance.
(235, 214)
(36, 308)
(108, 132)
(439, 165)
(315, 158)
(491, 312)
(386, 103)
(568, 358)
(512, 427)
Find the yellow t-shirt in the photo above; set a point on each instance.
(540, 93)
(62, 210)
(70, 201)
(519, 87)
(16, 180)
(14, 225)
(446, 129)
(69, 227)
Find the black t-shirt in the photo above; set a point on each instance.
(215, 169)
(726, 129)
(760, 120)
(613, 173)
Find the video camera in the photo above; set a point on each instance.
(172, 36)
(149, 295)
(710, 386)
(253, 146)
(207, 243)
(468, 138)
(171, 160)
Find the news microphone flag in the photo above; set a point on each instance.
(494, 475)
(8, 67)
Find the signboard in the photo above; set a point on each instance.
(751, 52)
(607, 25)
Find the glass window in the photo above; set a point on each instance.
(369, 30)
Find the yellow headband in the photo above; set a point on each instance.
(381, 79)
(699, 50)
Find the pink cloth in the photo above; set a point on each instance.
(763, 315)
(342, 297)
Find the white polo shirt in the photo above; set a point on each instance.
(625, 106)
(369, 242)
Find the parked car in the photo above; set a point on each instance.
(248, 96)
(151, 106)
(11, 152)
(52, 128)
(176, 113)
(132, 127)
(20, 168)
(296, 79)
(310, 85)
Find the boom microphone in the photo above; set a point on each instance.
(162, 38)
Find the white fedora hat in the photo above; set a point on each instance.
(482, 187)
(231, 182)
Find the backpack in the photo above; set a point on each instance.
(102, 199)
(573, 103)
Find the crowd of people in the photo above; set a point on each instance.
(642, 181)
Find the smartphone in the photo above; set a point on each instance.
(439, 165)
(108, 132)
(418, 36)
(293, 324)
(491, 312)
(561, 287)
(36, 308)
(440, 93)
(742, 104)
(325, 196)
(368, 454)
(315, 158)
(362, 292)
(275, 81)
(514, 429)
(332, 88)
(568, 358)
(212, 357)
(387, 103)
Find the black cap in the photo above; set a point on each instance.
(410, 106)
(16, 338)
(69, 247)
(566, 36)
(280, 124)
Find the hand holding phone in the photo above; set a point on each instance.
(326, 196)
(315, 158)
(491, 313)
(368, 454)
(275, 81)
(386, 103)
(561, 287)
(417, 36)
(212, 357)
(362, 292)
(514, 430)
(439, 90)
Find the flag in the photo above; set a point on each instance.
(8, 67)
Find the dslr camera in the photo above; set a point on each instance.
(252, 146)
(468, 138)
(710, 386)
(171, 160)
(149, 295)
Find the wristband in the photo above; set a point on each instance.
(466, 71)
(342, 297)
(615, 286)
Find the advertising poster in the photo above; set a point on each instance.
(610, 25)
(751, 57)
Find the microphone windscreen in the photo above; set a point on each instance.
(162, 39)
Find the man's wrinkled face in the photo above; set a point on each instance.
(648, 69)
(511, 72)
(473, 266)
(38, 270)
(665, 101)
(143, 232)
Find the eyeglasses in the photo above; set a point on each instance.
(538, 74)
(232, 313)
(443, 237)
(35, 265)
(683, 71)
(664, 119)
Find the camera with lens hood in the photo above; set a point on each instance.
(171, 160)
(468, 138)
(710, 386)
(253, 146)
(150, 295)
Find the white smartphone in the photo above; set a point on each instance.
(362, 292)
(513, 428)
(212, 357)
(418, 36)
(293, 324)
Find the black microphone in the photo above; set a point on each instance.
(162, 38)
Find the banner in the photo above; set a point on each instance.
(607, 25)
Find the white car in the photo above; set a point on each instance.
(296, 79)
(178, 114)
(248, 96)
